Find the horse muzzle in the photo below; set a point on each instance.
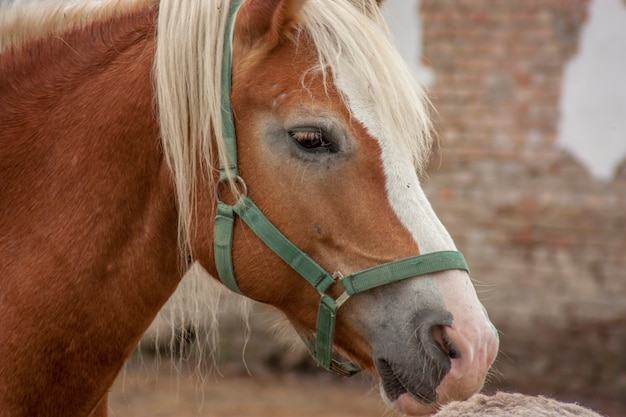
(430, 350)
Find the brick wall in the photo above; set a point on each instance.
(498, 70)
(546, 242)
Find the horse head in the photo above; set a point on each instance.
(332, 134)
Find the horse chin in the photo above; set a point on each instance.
(408, 404)
(398, 397)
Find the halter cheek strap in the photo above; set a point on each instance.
(314, 274)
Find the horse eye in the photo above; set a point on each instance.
(311, 139)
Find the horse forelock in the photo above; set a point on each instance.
(23, 21)
(353, 41)
(384, 96)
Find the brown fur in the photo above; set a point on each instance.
(513, 405)
(88, 224)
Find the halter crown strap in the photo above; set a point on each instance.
(313, 273)
(228, 123)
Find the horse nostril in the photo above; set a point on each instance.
(441, 338)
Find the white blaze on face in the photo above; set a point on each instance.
(470, 331)
(405, 193)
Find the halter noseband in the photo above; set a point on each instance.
(298, 260)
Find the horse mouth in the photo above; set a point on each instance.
(395, 384)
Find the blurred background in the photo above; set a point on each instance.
(529, 177)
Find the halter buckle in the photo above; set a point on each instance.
(346, 369)
(337, 275)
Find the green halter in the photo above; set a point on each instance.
(298, 260)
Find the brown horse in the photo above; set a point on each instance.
(111, 132)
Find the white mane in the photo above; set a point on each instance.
(26, 20)
(187, 70)
(350, 36)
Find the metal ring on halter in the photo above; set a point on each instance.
(242, 189)
(337, 275)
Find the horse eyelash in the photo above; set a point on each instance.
(309, 137)
(304, 135)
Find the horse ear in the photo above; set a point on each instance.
(266, 20)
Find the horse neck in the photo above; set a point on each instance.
(88, 232)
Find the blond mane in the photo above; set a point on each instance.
(349, 35)
(187, 71)
(23, 21)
